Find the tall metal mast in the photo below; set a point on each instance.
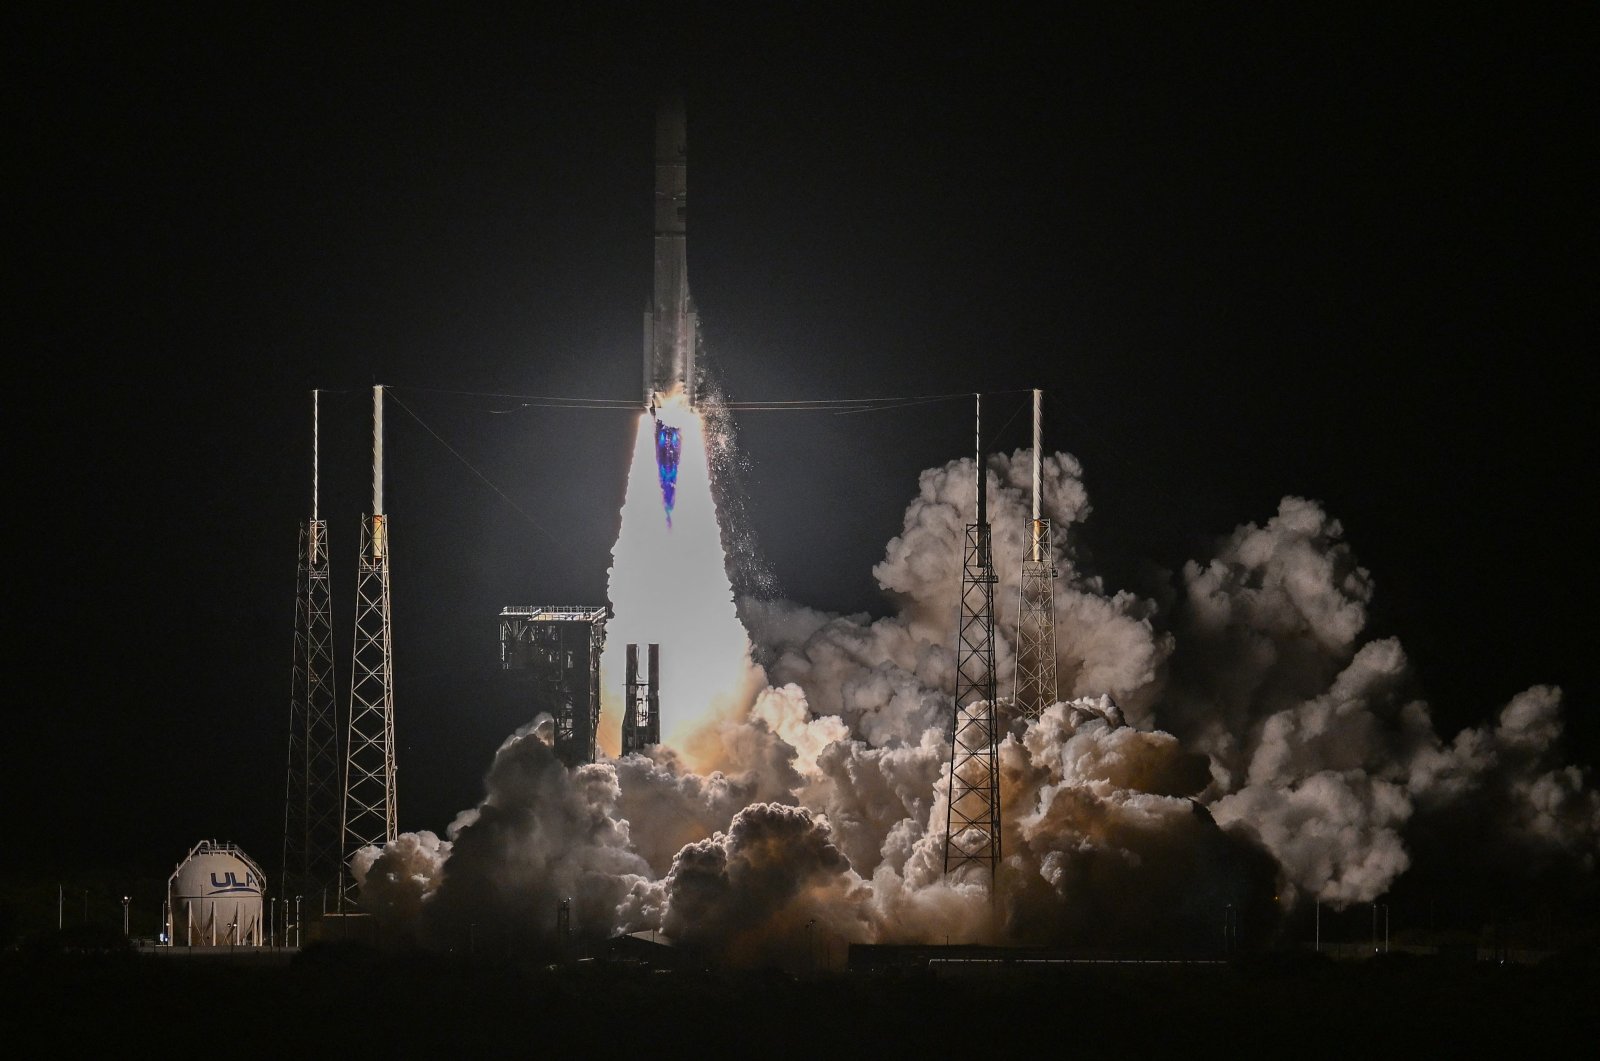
(1036, 613)
(311, 797)
(369, 791)
(972, 823)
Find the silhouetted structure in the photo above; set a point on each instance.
(556, 652)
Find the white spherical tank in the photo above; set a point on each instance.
(214, 898)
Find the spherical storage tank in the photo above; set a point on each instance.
(214, 898)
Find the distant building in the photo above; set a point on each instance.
(214, 898)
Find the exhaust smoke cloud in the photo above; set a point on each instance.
(1242, 743)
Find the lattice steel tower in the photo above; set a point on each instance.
(1036, 612)
(972, 823)
(554, 652)
(311, 799)
(369, 793)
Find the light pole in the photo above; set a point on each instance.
(811, 954)
(125, 901)
(1319, 926)
(297, 921)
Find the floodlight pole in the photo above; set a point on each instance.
(1034, 687)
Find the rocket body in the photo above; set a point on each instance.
(671, 325)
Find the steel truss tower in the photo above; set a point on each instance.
(972, 823)
(641, 714)
(1036, 612)
(369, 791)
(555, 651)
(311, 799)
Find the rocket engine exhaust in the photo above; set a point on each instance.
(669, 449)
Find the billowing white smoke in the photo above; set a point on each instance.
(1314, 740)
(1243, 748)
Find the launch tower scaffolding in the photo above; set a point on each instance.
(557, 650)
(641, 714)
(311, 799)
(1036, 614)
(972, 822)
(370, 815)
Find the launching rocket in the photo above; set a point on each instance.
(671, 325)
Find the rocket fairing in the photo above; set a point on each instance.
(671, 325)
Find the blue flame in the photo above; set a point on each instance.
(669, 446)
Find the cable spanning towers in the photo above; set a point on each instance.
(972, 823)
(1036, 614)
(369, 791)
(311, 800)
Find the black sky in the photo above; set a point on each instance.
(1345, 255)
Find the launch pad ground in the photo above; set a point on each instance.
(332, 998)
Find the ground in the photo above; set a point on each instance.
(333, 1001)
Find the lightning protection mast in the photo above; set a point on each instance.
(311, 837)
(1036, 613)
(972, 823)
(369, 793)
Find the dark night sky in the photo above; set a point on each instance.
(1342, 255)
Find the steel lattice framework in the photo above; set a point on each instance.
(972, 822)
(369, 816)
(369, 795)
(1036, 626)
(556, 650)
(1036, 611)
(311, 800)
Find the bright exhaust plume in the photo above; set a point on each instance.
(669, 584)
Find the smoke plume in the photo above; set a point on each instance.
(1241, 745)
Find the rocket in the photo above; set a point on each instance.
(671, 325)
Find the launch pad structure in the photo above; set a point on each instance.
(1036, 610)
(972, 819)
(641, 714)
(370, 816)
(556, 652)
(312, 790)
